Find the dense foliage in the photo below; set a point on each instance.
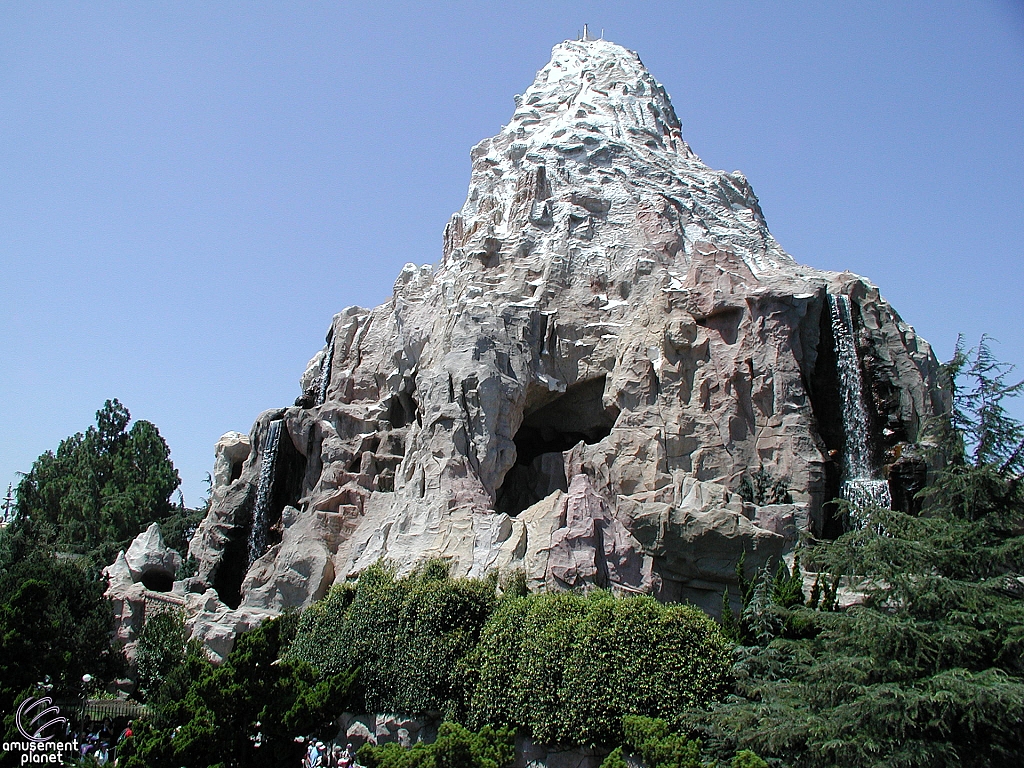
(100, 489)
(75, 509)
(568, 667)
(54, 624)
(160, 649)
(565, 667)
(246, 712)
(406, 635)
(455, 747)
(929, 669)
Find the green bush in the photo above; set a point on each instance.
(161, 648)
(568, 667)
(615, 759)
(406, 635)
(657, 746)
(762, 488)
(54, 623)
(455, 747)
(747, 759)
(653, 741)
(246, 712)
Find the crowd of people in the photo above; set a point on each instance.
(320, 755)
(99, 741)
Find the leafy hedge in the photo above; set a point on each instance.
(569, 667)
(406, 636)
(455, 747)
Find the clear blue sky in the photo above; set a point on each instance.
(189, 191)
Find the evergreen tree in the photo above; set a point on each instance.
(246, 712)
(54, 625)
(101, 488)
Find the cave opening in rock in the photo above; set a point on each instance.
(227, 580)
(401, 410)
(547, 430)
(157, 581)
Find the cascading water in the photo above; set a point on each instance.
(861, 486)
(264, 492)
(325, 374)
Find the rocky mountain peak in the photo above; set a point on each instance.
(615, 376)
(595, 87)
(593, 152)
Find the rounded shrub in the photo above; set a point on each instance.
(568, 667)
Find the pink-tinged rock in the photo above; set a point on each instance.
(593, 548)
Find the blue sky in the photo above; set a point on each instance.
(189, 191)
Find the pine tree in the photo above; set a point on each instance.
(101, 488)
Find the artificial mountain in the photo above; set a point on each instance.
(614, 376)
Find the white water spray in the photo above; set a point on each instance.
(325, 373)
(861, 486)
(264, 492)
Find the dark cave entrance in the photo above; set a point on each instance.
(157, 581)
(575, 415)
(286, 489)
(234, 560)
(402, 410)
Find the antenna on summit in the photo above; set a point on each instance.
(586, 33)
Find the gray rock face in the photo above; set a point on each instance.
(149, 556)
(231, 452)
(611, 342)
(141, 582)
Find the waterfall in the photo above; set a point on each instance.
(264, 492)
(861, 486)
(325, 373)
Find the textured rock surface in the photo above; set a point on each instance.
(356, 729)
(140, 582)
(148, 555)
(611, 341)
(230, 453)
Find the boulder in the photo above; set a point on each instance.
(216, 626)
(148, 556)
(230, 454)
